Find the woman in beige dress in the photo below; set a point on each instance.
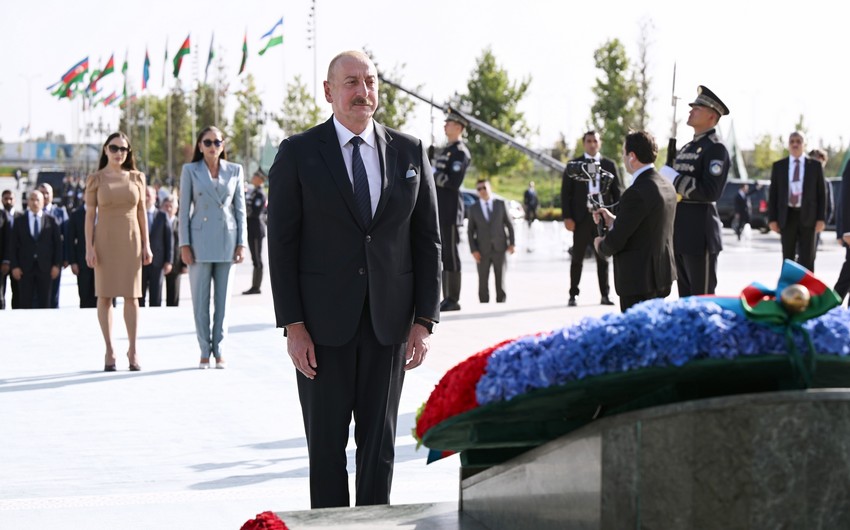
(117, 241)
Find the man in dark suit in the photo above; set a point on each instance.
(256, 206)
(76, 252)
(578, 220)
(842, 230)
(172, 279)
(640, 236)
(354, 253)
(796, 207)
(162, 247)
(743, 208)
(490, 232)
(699, 174)
(36, 253)
(7, 213)
(58, 212)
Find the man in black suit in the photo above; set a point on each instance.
(354, 253)
(58, 212)
(743, 208)
(162, 247)
(640, 236)
(490, 232)
(256, 206)
(842, 230)
(172, 279)
(578, 219)
(7, 218)
(796, 207)
(76, 252)
(699, 174)
(36, 255)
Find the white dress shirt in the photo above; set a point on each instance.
(369, 154)
(796, 187)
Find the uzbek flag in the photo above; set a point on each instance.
(271, 38)
(244, 53)
(185, 48)
(76, 73)
(146, 70)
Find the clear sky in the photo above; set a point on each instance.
(769, 62)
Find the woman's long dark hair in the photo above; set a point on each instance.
(129, 162)
(198, 154)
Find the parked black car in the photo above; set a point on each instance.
(726, 203)
(834, 191)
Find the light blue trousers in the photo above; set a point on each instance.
(210, 278)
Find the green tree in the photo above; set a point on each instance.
(766, 151)
(146, 109)
(243, 142)
(613, 113)
(182, 143)
(394, 106)
(299, 111)
(640, 76)
(209, 103)
(561, 151)
(494, 99)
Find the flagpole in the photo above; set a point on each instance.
(194, 92)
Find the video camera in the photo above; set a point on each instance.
(583, 169)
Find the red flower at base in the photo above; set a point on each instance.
(264, 521)
(455, 393)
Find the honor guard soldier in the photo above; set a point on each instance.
(700, 171)
(255, 206)
(449, 171)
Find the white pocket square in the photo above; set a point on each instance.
(410, 173)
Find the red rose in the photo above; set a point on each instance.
(265, 521)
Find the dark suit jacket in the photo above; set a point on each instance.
(812, 202)
(324, 262)
(75, 243)
(162, 240)
(574, 192)
(5, 236)
(495, 235)
(26, 251)
(641, 239)
(842, 219)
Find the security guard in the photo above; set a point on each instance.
(700, 171)
(449, 171)
(255, 206)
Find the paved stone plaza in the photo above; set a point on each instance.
(176, 447)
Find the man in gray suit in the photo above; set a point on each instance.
(491, 236)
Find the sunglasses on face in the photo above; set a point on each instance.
(207, 142)
(116, 148)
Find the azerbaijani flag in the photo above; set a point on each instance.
(209, 58)
(146, 70)
(244, 53)
(98, 75)
(75, 74)
(109, 99)
(272, 39)
(178, 57)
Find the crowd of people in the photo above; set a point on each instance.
(126, 239)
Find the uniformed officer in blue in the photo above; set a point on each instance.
(256, 205)
(701, 168)
(449, 171)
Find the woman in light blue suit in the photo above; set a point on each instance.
(213, 228)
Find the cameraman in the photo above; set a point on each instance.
(640, 236)
(577, 219)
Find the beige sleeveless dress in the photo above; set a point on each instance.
(117, 236)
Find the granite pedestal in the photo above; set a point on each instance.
(754, 461)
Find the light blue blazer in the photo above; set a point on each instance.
(212, 216)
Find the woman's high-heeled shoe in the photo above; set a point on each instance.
(204, 364)
(109, 363)
(109, 368)
(220, 364)
(134, 366)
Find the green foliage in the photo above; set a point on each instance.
(494, 99)
(209, 108)
(242, 144)
(182, 142)
(394, 106)
(641, 77)
(560, 151)
(767, 150)
(299, 111)
(613, 113)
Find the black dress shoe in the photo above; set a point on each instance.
(251, 291)
(606, 301)
(450, 306)
(572, 302)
